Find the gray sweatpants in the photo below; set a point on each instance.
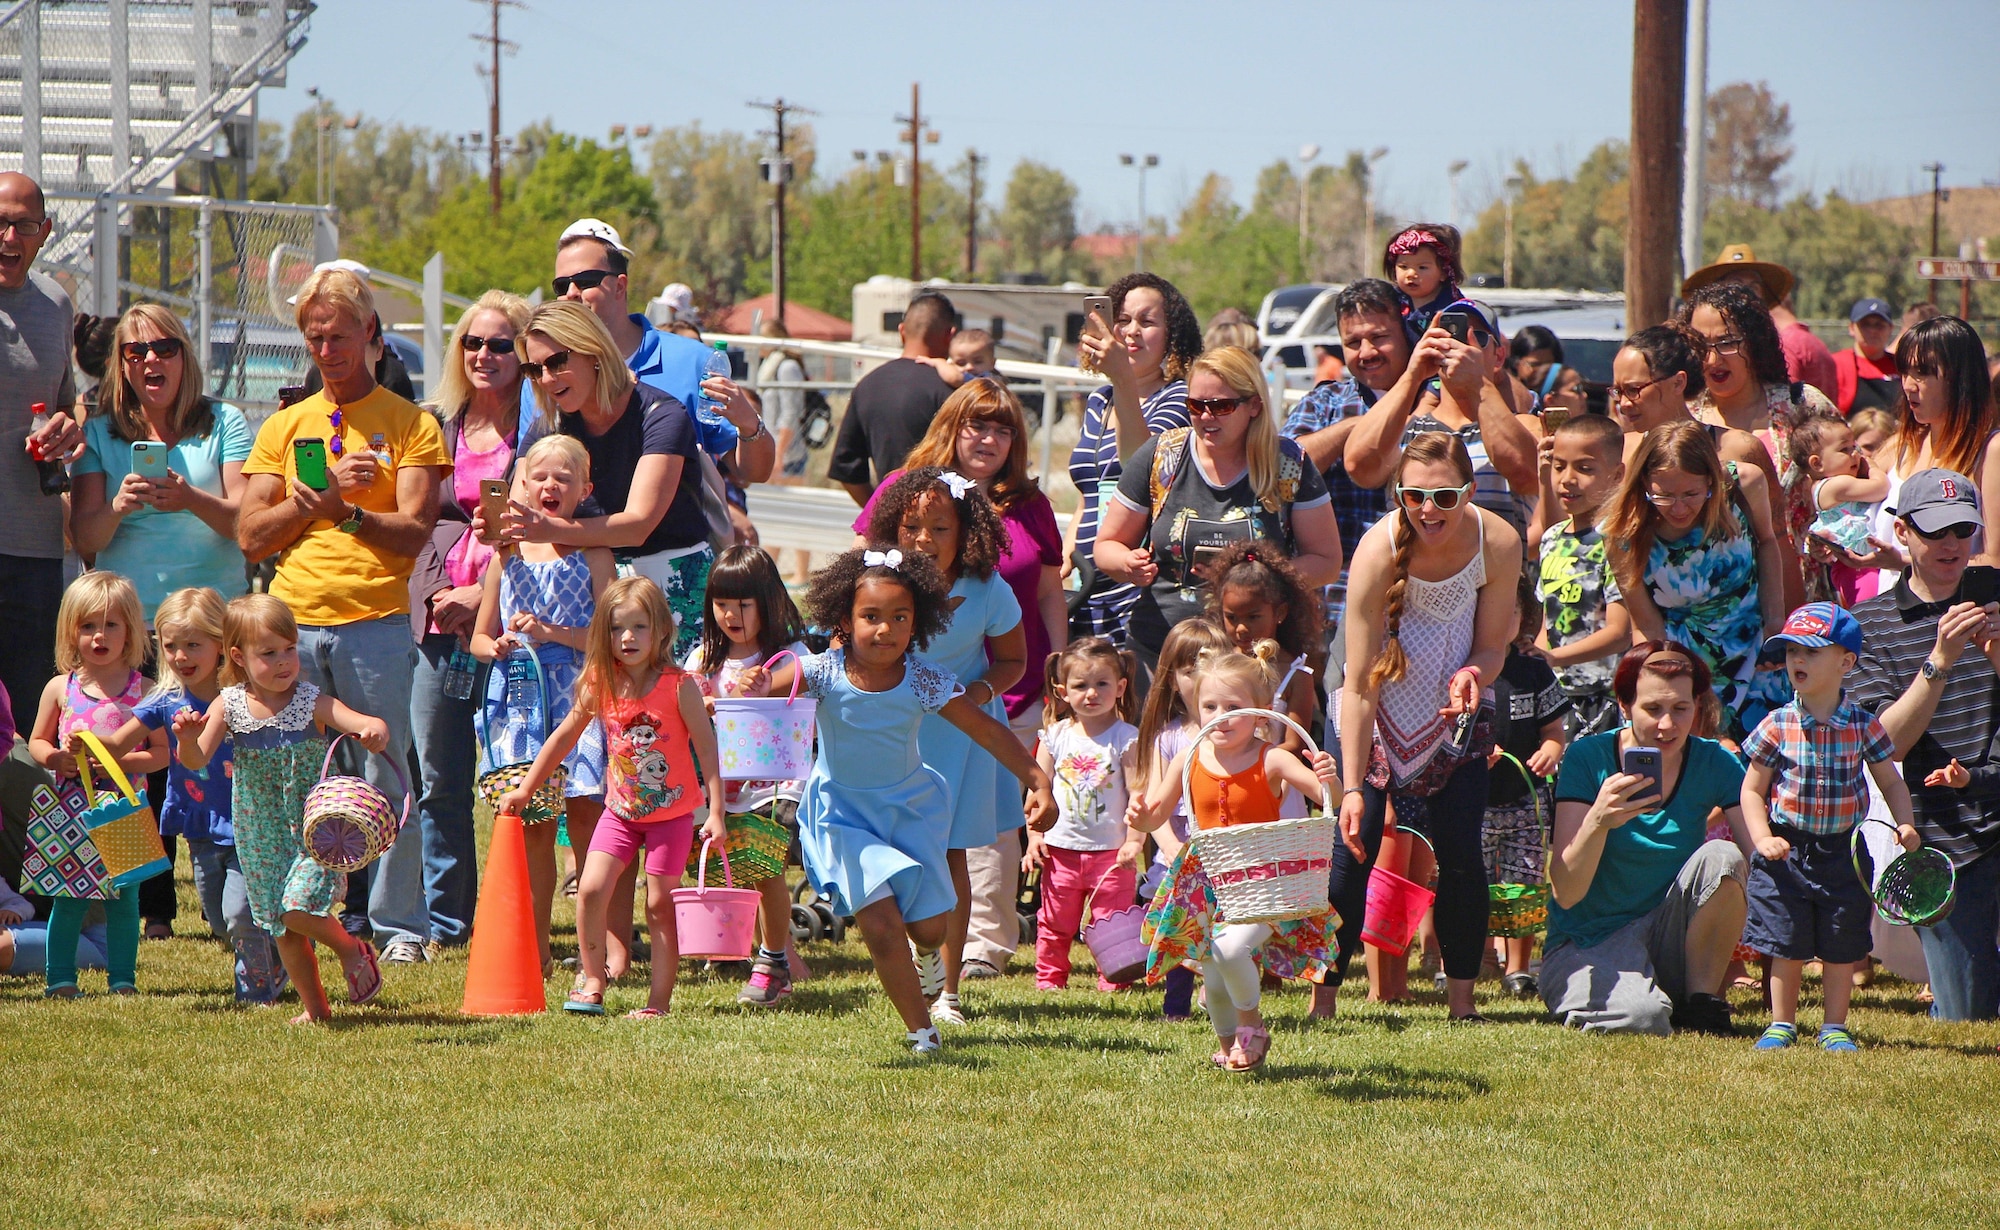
(1627, 983)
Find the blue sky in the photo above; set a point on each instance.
(1876, 89)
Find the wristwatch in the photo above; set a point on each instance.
(352, 525)
(757, 434)
(1929, 669)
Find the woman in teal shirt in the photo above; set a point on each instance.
(1646, 910)
(179, 529)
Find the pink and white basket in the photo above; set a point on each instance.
(1272, 872)
(765, 738)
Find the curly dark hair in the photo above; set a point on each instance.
(981, 536)
(1183, 327)
(1742, 308)
(1267, 571)
(830, 599)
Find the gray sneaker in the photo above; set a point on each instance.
(770, 985)
(404, 952)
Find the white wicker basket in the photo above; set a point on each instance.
(1268, 872)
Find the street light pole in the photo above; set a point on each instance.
(1937, 196)
(1451, 174)
(1307, 153)
(1507, 258)
(1140, 164)
(1368, 205)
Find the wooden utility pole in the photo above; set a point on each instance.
(917, 136)
(1937, 195)
(492, 74)
(972, 161)
(1659, 83)
(778, 173)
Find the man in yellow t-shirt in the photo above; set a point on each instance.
(345, 551)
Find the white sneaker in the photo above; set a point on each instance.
(924, 1041)
(947, 1011)
(404, 952)
(930, 973)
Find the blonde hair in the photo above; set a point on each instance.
(453, 389)
(191, 414)
(1237, 368)
(979, 401)
(1256, 672)
(1874, 419)
(576, 328)
(1186, 642)
(194, 609)
(250, 616)
(1428, 446)
(95, 593)
(343, 290)
(567, 449)
(1683, 446)
(600, 657)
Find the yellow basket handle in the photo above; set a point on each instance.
(94, 749)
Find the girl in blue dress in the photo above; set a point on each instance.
(937, 514)
(539, 599)
(874, 822)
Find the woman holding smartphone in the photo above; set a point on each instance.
(1430, 602)
(478, 408)
(1646, 913)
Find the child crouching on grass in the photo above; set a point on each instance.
(1801, 797)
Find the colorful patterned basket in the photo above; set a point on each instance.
(1272, 872)
(764, 739)
(122, 827)
(547, 803)
(60, 859)
(1517, 911)
(348, 824)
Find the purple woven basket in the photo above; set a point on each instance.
(348, 824)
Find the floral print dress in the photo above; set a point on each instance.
(278, 760)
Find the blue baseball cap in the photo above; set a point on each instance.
(1864, 308)
(1818, 624)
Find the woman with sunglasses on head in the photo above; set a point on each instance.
(155, 494)
(1745, 386)
(1691, 541)
(478, 408)
(1189, 492)
(1431, 596)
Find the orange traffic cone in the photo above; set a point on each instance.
(503, 973)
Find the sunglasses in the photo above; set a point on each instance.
(165, 347)
(589, 279)
(471, 344)
(1214, 407)
(1444, 499)
(1961, 530)
(549, 366)
(335, 444)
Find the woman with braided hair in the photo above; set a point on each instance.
(1430, 601)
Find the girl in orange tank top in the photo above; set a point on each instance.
(1234, 777)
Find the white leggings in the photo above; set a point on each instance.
(1231, 973)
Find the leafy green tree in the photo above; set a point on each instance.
(1222, 256)
(1038, 221)
(1569, 234)
(1838, 251)
(859, 225)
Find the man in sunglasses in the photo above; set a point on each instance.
(35, 317)
(1927, 670)
(592, 264)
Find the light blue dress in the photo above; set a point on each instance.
(985, 608)
(872, 822)
(556, 592)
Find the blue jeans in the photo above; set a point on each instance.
(31, 948)
(367, 666)
(445, 760)
(1961, 951)
(218, 879)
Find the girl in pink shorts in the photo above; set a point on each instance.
(653, 715)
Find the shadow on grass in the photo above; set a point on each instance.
(1380, 1082)
(1064, 1042)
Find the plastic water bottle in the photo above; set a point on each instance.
(460, 673)
(717, 364)
(524, 690)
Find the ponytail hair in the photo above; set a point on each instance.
(1091, 648)
(1430, 446)
(1257, 671)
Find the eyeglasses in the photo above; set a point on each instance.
(1726, 346)
(165, 347)
(1961, 531)
(1444, 499)
(589, 279)
(550, 366)
(472, 342)
(23, 228)
(986, 429)
(1632, 392)
(1673, 501)
(1214, 407)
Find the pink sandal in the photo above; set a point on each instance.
(645, 1014)
(1253, 1043)
(365, 984)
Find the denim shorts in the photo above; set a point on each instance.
(1811, 903)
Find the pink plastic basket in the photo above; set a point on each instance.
(1396, 907)
(765, 738)
(717, 923)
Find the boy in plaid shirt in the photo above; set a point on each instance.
(1802, 796)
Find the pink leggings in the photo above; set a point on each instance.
(1067, 879)
(667, 842)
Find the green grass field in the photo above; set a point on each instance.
(178, 1109)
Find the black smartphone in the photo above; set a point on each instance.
(291, 395)
(1458, 324)
(1980, 583)
(1644, 762)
